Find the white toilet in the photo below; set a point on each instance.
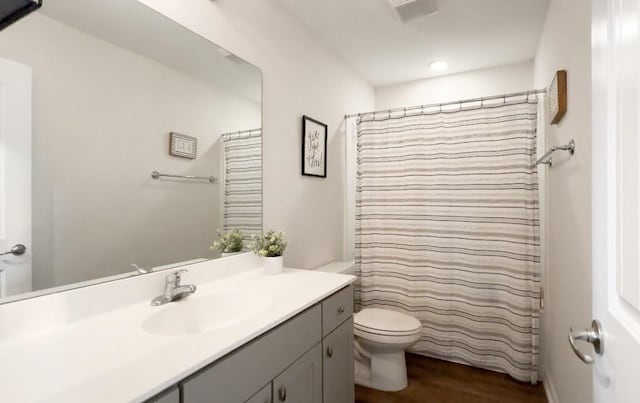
(381, 337)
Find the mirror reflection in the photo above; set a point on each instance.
(95, 97)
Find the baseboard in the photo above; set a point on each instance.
(549, 388)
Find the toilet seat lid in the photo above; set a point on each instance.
(385, 322)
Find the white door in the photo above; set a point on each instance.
(616, 199)
(15, 177)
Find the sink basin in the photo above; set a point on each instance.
(206, 313)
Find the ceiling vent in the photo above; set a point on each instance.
(409, 10)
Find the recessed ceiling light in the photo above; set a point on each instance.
(439, 65)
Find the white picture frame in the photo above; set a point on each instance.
(181, 145)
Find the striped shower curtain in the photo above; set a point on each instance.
(447, 230)
(243, 182)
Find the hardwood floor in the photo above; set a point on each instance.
(435, 381)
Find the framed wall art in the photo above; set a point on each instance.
(181, 145)
(314, 147)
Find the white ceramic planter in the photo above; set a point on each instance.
(272, 265)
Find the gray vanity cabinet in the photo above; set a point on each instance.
(307, 359)
(337, 367)
(241, 374)
(302, 381)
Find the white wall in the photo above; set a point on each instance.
(300, 76)
(96, 210)
(566, 44)
(478, 83)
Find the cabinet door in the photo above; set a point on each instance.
(263, 395)
(337, 368)
(302, 381)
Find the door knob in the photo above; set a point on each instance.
(592, 335)
(16, 250)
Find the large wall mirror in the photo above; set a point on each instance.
(90, 92)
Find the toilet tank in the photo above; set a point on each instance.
(338, 267)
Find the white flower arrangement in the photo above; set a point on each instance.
(228, 242)
(271, 244)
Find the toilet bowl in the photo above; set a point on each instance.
(381, 337)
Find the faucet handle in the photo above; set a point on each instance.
(176, 276)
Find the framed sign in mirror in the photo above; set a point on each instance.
(181, 145)
(314, 147)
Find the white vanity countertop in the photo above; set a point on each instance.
(109, 357)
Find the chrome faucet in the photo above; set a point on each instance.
(173, 290)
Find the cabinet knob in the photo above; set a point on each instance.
(341, 309)
(282, 393)
(329, 351)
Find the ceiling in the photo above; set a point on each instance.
(132, 25)
(468, 34)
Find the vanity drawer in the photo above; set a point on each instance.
(336, 309)
(236, 377)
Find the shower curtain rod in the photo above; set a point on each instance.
(250, 132)
(464, 101)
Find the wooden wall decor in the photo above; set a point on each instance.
(557, 97)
